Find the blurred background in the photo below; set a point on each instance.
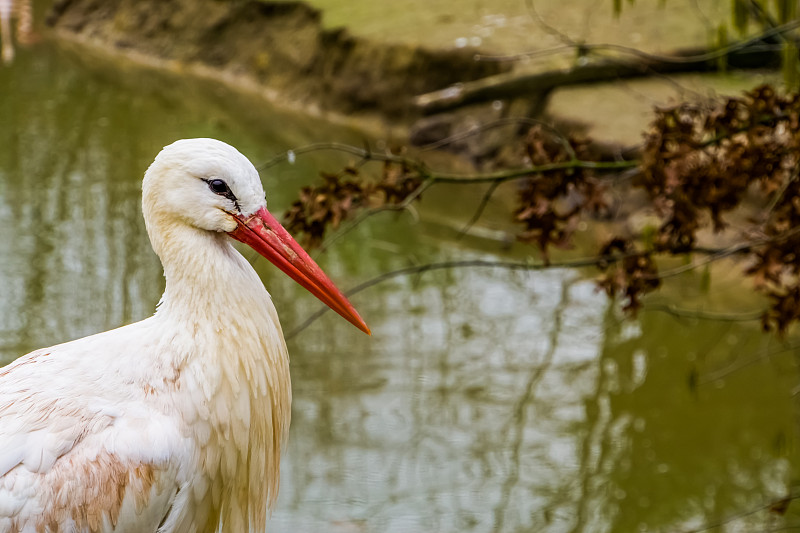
(488, 398)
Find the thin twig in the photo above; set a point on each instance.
(707, 56)
(479, 211)
(681, 312)
(557, 134)
(405, 205)
(363, 153)
(459, 178)
(739, 365)
(469, 263)
(508, 175)
(714, 255)
(782, 191)
(731, 250)
(548, 28)
(793, 495)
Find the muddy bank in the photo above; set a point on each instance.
(281, 46)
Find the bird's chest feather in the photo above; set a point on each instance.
(235, 399)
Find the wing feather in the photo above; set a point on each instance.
(80, 462)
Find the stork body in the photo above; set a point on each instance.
(174, 423)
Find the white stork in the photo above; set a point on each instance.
(174, 423)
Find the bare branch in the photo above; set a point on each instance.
(363, 153)
(405, 205)
(739, 365)
(681, 312)
(685, 57)
(556, 133)
(469, 263)
(726, 252)
(794, 494)
(597, 261)
(479, 211)
(458, 178)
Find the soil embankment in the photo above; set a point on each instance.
(281, 46)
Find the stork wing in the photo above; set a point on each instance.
(81, 461)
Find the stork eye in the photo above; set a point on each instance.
(219, 187)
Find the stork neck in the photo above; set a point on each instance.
(206, 278)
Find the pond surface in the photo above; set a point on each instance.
(486, 400)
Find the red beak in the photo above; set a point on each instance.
(264, 234)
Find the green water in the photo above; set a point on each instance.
(486, 400)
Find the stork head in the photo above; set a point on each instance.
(209, 185)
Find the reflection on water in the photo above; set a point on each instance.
(497, 402)
(465, 416)
(75, 145)
(21, 12)
(485, 400)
